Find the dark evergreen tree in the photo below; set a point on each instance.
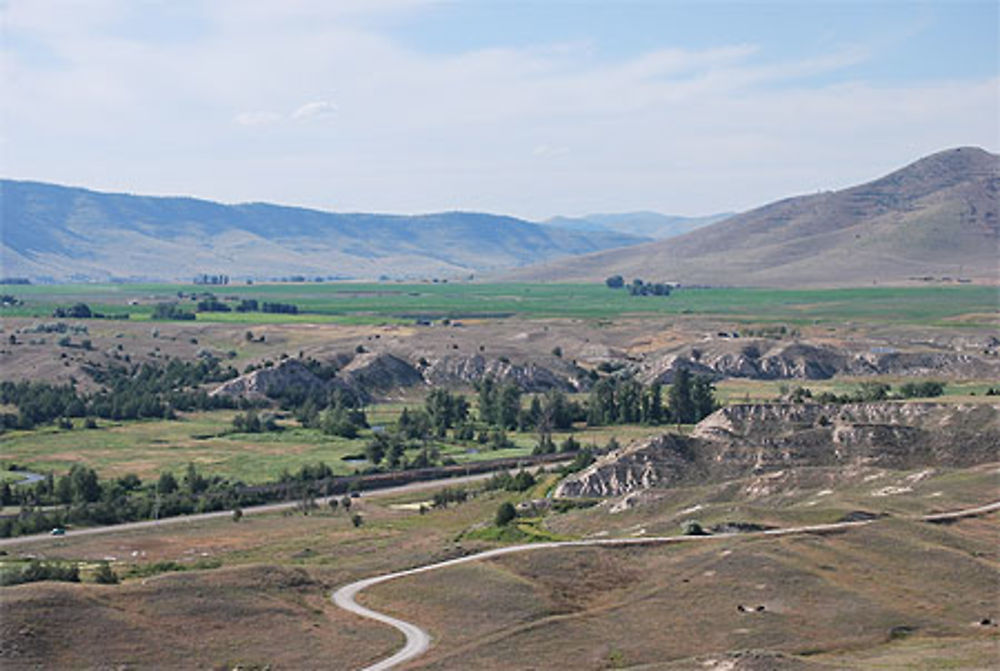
(682, 409)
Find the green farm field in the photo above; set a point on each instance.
(381, 302)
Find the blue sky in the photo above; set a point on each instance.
(526, 108)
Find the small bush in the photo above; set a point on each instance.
(693, 528)
(104, 575)
(506, 514)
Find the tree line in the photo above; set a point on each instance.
(140, 391)
(868, 392)
(638, 287)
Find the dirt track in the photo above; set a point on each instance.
(418, 640)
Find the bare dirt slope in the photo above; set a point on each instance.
(937, 217)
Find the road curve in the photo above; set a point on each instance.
(418, 640)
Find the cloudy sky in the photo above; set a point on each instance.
(531, 108)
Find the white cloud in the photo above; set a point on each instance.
(319, 109)
(679, 130)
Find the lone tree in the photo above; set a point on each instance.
(615, 282)
(505, 514)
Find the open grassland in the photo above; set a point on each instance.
(379, 302)
(899, 593)
(206, 439)
(821, 596)
(896, 594)
(746, 390)
(268, 603)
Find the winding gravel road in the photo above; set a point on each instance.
(418, 640)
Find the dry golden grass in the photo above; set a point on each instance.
(830, 595)
(830, 600)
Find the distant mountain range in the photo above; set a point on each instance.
(63, 233)
(936, 217)
(645, 224)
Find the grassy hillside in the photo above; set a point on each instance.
(936, 217)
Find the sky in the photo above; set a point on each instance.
(529, 108)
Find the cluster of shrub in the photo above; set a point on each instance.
(522, 481)
(638, 287)
(55, 327)
(337, 413)
(36, 571)
(148, 390)
(83, 311)
(869, 392)
(212, 304)
(204, 278)
(172, 312)
(775, 332)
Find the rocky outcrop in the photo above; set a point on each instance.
(375, 373)
(459, 370)
(369, 375)
(658, 462)
(288, 374)
(742, 440)
(366, 376)
(765, 359)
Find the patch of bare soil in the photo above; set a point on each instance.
(254, 616)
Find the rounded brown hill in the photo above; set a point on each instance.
(934, 218)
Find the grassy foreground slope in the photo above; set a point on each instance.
(897, 594)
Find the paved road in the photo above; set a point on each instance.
(251, 510)
(418, 640)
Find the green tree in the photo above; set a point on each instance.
(86, 487)
(506, 514)
(510, 406)
(375, 449)
(652, 406)
(681, 404)
(487, 400)
(703, 398)
(167, 484)
(194, 483)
